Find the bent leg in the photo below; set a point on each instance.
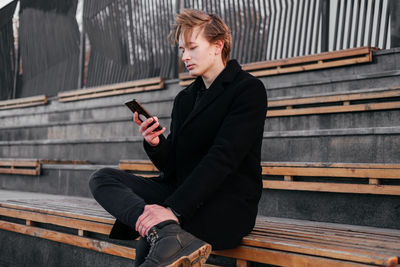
(124, 195)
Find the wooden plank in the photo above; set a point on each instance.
(309, 58)
(391, 92)
(24, 102)
(78, 241)
(82, 96)
(20, 163)
(19, 171)
(334, 187)
(385, 232)
(242, 263)
(351, 237)
(20, 166)
(59, 161)
(137, 165)
(301, 63)
(85, 225)
(324, 65)
(381, 238)
(333, 109)
(109, 87)
(302, 164)
(335, 251)
(332, 172)
(186, 82)
(54, 211)
(331, 165)
(283, 258)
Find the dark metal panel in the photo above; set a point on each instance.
(8, 67)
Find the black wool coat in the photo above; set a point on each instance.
(213, 155)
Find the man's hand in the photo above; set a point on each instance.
(153, 215)
(151, 136)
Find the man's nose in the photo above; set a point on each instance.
(185, 56)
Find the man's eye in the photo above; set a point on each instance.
(193, 47)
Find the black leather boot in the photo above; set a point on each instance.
(171, 246)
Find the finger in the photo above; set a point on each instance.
(156, 133)
(151, 128)
(136, 118)
(145, 125)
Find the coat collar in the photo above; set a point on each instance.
(216, 89)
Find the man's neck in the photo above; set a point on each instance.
(212, 74)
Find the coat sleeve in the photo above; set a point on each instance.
(163, 155)
(236, 136)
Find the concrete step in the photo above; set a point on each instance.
(382, 72)
(67, 180)
(90, 129)
(372, 144)
(369, 145)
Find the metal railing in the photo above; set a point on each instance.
(127, 39)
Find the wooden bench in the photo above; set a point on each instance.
(20, 166)
(383, 99)
(360, 178)
(24, 102)
(30, 166)
(302, 63)
(112, 89)
(275, 241)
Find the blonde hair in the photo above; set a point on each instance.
(213, 27)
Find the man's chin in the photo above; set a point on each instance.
(193, 73)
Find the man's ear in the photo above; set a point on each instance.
(220, 45)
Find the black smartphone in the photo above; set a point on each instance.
(135, 106)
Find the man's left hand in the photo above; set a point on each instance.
(153, 215)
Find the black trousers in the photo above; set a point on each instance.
(124, 196)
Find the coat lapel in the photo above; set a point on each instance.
(218, 87)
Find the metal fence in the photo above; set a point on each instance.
(360, 23)
(7, 52)
(127, 39)
(48, 46)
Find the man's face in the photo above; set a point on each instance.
(198, 54)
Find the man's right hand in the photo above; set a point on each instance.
(148, 133)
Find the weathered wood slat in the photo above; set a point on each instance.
(91, 226)
(138, 165)
(333, 109)
(113, 89)
(282, 258)
(79, 241)
(329, 165)
(334, 187)
(20, 166)
(312, 66)
(390, 92)
(309, 58)
(315, 169)
(273, 241)
(302, 63)
(24, 102)
(82, 211)
(332, 172)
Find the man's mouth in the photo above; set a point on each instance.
(190, 66)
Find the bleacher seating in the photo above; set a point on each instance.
(301, 63)
(24, 102)
(330, 164)
(112, 89)
(275, 241)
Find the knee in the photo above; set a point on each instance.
(98, 178)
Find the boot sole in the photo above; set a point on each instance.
(195, 259)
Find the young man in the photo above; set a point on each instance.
(210, 184)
